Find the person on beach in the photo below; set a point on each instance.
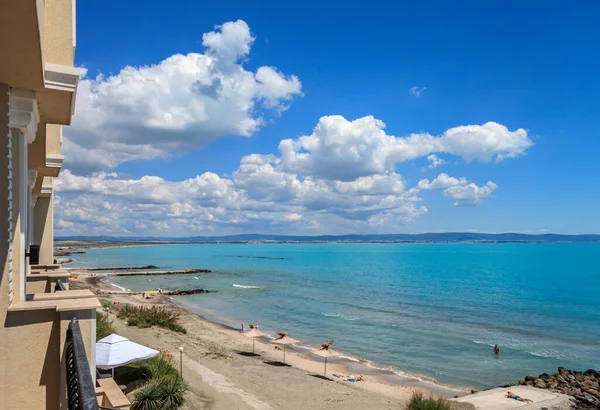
(496, 350)
(242, 327)
(513, 396)
(257, 325)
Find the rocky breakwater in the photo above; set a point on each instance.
(184, 292)
(583, 386)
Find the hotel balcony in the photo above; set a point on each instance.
(48, 333)
(52, 335)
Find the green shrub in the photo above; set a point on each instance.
(160, 367)
(160, 394)
(165, 388)
(104, 326)
(418, 402)
(107, 304)
(143, 317)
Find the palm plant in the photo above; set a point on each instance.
(167, 393)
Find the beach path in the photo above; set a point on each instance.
(221, 384)
(255, 383)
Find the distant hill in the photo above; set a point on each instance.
(421, 238)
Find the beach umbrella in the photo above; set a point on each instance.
(325, 351)
(284, 340)
(114, 351)
(253, 333)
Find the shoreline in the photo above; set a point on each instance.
(346, 364)
(350, 362)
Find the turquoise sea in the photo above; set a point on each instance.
(433, 310)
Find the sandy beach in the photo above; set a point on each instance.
(222, 375)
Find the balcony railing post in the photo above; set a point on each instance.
(81, 392)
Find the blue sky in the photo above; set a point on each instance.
(523, 66)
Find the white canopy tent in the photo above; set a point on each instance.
(114, 351)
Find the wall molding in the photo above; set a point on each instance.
(23, 112)
(54, 160)
(62, 78)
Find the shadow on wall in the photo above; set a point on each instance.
(34, 337)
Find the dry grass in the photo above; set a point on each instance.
(216, 351)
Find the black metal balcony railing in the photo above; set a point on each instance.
(81, 392)
(59, 286)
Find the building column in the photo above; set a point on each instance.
(6, 228)
(19, 214)
(23, 118)
(43, 229)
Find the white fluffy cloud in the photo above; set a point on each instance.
(341, 178)
(177, 105)
(434, 161)
(257, 197)
(460, 190)
(441, 181)
(346, 150)
(469, 194)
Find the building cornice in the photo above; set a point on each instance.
(46, 190)
(62, 78)
(23, 112)
(54, 161)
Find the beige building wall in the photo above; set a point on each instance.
(59, 32)
(37, 46)
(32, 365)
(43, 229)
(53, 139)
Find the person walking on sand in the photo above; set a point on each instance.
(496, 350)
(257, 325)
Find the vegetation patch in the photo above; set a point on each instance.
(216, 351)
(104, 326)
(163, 386)
(418, 402)
(144, 317)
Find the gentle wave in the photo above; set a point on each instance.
(483, 343)
(121, 288)
(339, 315)
(352, 359)
(235, 285)
(251, 257)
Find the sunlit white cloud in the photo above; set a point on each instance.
(459, 190)
(341, 178)
(177, 105)
(346, 150)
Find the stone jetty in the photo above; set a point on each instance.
(151, 273)
(124, 268)
(583, 386)
(176, 292)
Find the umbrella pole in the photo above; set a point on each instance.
(325, 374)
(113, 372)
(283, 354)
(253, 340)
